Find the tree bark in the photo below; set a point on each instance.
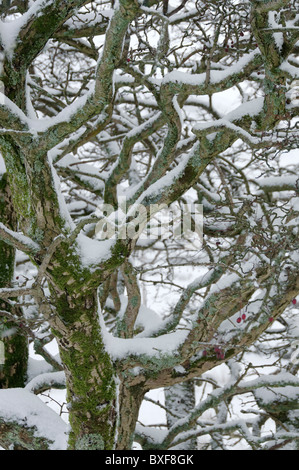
(13, 371)
(180, 401)
(102, 410)
(90, 374)
(130, 400)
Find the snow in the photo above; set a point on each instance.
(276, 381)
(178, 110)
(93, 252)
(37, 367)
(148, 320)
(279, 181)
(291, 69)
(216, 76)
(154, 435)
(153, 348)
(2, 166)
(36, 126)
(83, 19)
(21, 238)
(277, 394)
(220, 123)
(42, 125)
(183, 15)
(64, 212)
(168, 180)
(278, 37)
(49, 378)
(24, 408)
(85, 172)
(10, 30)
(249, 108)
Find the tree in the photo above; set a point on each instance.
(112, 103)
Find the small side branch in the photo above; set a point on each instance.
(18, 240)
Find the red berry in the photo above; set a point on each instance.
(220, 354)
(271, 319)
(204, 353)
(128, 60)
(239, 320)
(294, 301)
(243, 316)
(241, 33)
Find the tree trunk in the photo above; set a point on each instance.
(13, 371)
(130, 400)
(90, 375)
(102, 411)
(180, 401)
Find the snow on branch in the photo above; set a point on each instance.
(278, 183)
(145, 351)
(46, 381)
(219, 79)
(13, 120)
(18, 240)
(203, 281)
(18, 34)
(98, 100)
(85, 25)
(176, 433)
(31, 422)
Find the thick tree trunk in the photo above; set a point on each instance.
(13, 371)
(130, 400)
(90, 375)
(102, 411)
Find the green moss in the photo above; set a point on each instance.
(91, 387)
(17, 177)
(13, 372)
(134, 300)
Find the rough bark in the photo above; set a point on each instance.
(90, 375)
(13, 371)
(104, 395)
(179, 402)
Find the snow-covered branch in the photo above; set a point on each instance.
(18, 240)
(31, 422)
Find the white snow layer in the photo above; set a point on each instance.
(27, 410)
